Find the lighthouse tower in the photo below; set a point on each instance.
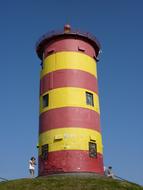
(69, 122)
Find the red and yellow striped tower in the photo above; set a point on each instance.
(69, 125)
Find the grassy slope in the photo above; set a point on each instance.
(68, 183)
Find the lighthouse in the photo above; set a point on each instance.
(70, 139)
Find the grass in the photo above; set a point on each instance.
(68, 183)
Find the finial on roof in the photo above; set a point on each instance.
(67, 28)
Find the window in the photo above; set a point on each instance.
(96, 58)
(41, 64)
(45, 100)
(92, 149)
(50, 51)
(58, 137)
(81, 49)
(89, 99)
(45, 151)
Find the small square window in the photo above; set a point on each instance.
(45, 100)
(89, 99)
(45, 151)
(92, 150)
(81, 49)
(50, 51)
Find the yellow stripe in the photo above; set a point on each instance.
(70, 139)
(69, 97)
(69, 60)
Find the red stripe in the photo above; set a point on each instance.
(68, 78)
(70, 161)
(69, 45)
(69, 117)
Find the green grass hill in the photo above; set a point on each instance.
(69, 182)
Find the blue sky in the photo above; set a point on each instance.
(118, 26)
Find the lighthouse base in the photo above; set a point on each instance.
(72, 161)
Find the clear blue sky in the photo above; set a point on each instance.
(119, 27)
